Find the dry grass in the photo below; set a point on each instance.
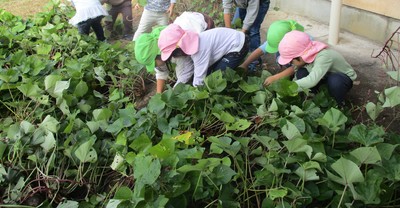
(23, 8)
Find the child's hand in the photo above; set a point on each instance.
(269, 80)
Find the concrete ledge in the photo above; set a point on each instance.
(360, 22)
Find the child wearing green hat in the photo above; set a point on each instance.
(275, 33)
(148, 53)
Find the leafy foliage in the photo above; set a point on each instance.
(72, 136)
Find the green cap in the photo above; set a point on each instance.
(146, 48)
(277, 30)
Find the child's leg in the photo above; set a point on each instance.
(301, 73)
(146, 23)
(110, 20)
(84, 27)
(338, 86)
(254, 32)
(98, 28)
(162, 18)
(126, 12)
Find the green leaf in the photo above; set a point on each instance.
(81, 89)
(361, 134)
(116, 127)
(284, 87)
(113, 203)
(30, 90)
(215, 82)
(320, 157)
(394, 75)
(156, 105)
(49, 123)
(239, 125)
(123, 193)
(222, 175)
(50, 82)
(3, 173)
(277, 193)
(291, 131)
(370, 190)
(367, 155)
(3, 148)
(146, 170)
(60, 87)
(333, 119)
(68, 204)
(49, 142)
(373, 110)
(273, 107)
(226, 144)
(225, 117)
(201, 165)
(27, 127)
(392, 97)
(102, 114)
(307, 174)
(141, 143)
(85, 152)
(260, 98)
(249, 88)
(386, 150)
(348, 171)
(164, 149)
(232, 76)
(93, 126)
(298, 145)
(43, 49)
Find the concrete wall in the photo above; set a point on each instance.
(361, 22)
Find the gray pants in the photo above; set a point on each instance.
(126, 10)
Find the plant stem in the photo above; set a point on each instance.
(341, 198)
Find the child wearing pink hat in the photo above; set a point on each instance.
(210, 50)
(315, 63)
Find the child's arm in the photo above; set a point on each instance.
(171, 9)
(252, 57)
(285, 73)
(160, 85)
(227, 6)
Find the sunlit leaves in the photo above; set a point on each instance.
(366, 135)
(348, 171)
(392, 97)
(215, 82)
(333, 119)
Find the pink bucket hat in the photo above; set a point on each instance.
(298, 44)
(173, 37)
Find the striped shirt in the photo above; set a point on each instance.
(159, 5)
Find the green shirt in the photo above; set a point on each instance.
(327, 60)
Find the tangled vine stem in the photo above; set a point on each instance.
(390, 52)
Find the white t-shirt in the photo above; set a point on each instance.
(213, 45)
(86, 9)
